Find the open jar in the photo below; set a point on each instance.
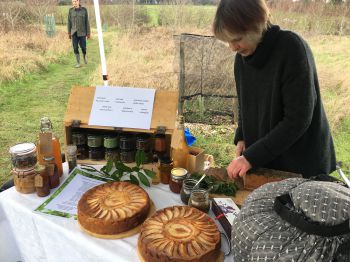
(200, 199)
(178, 175)
(186, 189)
(23, 156)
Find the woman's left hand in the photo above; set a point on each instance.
(238, 167)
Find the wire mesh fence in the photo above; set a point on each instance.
(206, 80)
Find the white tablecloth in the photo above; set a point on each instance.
(26, 235)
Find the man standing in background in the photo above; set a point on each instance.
(78, 29)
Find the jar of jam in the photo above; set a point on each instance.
(164, 169)
(186, 189)
(23, 156)
(94, 140)
(143, 142)
(178, 175)
(110, 142)
(52, 171)
(78, 138)
(127, 142)
(127, 156)
(24, 180)
(200, 199)
(96, 153)
(82, 152)
(42, 181)
(112, 154)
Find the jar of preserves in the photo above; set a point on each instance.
(79, 139)
(127, 142)
(96, 153)
(24, 180)
(178, 175)
(23, 156)
(127, 156)
(143, 142)
(42, 181)
(186, 189)
(94, 140)
(112, 154)
(164, 169)
(200, 199)
(52, 171)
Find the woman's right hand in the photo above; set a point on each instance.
(240, 148)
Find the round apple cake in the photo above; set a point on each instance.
(113, 208)
(179, 233)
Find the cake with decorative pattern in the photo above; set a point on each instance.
(179, 233)
(113, 208)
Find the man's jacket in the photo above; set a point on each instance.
(78, 21)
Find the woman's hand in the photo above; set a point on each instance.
(240, 148)
(238, 167)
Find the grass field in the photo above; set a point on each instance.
(144, 57)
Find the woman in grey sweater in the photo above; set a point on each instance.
(282, 123)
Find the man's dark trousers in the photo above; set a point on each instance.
(81, 40)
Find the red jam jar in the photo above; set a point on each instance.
(178, 175)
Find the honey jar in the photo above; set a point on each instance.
(178, 175)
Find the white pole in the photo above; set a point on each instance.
(100, 42)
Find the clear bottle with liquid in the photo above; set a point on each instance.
(46, 127)
(179, 148)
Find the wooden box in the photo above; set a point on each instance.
(195, 162)
(79, 106)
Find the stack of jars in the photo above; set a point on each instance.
(110, 142)
(29, 176)
(79, 139)
(24, 159)
(127, 147)
(96, 149)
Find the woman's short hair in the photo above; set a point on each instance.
(240, 17)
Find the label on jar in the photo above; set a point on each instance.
(39, 181)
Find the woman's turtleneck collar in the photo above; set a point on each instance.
(264, 48)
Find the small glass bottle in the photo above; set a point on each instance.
(186, 189)
(46, 127)
(178, 175)
(159, 144)
(42, 181)
(164, 169)
(51, 169)
(200, 199)
(71, 157)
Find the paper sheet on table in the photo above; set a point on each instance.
(65, 200)
(122, 107)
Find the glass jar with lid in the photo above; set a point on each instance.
(143, 142)
(127, 142)
(200, 199)
(178, 175)
(186, 189)
(23, 156)
(42, 181)
(24, 180)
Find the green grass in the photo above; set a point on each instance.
(23, 103)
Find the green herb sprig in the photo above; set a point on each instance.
(117, 170)
(215, 186)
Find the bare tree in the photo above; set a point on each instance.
(39, 8)
(10, 14)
